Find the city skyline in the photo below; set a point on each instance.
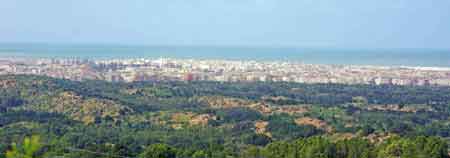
(166, 69)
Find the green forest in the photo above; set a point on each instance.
(43, 117)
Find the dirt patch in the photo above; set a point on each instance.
(191, 119)
(228, 102)
(396, 107)
(261, 128)
(8, 84)
(202, 119)
(320, 124)
(223, 102)
(379, 137)
(291, 110)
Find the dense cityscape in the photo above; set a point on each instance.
(143, 69)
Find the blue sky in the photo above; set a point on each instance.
(300, 23)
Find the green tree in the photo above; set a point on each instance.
(251, 152)
(317, 147)
(27, 150)
(360, 101)
(159, 151)
(279, 149)
(353, 148)
(199, 154)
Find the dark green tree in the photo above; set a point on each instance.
(158, 151)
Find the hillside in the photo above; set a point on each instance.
(219, 119)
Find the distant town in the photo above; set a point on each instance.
(165, 69)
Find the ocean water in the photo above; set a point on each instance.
(383, 57)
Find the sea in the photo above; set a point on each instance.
(333, 56)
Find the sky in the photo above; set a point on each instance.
(298, 23)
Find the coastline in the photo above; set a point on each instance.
(434, 58)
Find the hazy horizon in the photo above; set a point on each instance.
(379, 24)
(124, 45)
